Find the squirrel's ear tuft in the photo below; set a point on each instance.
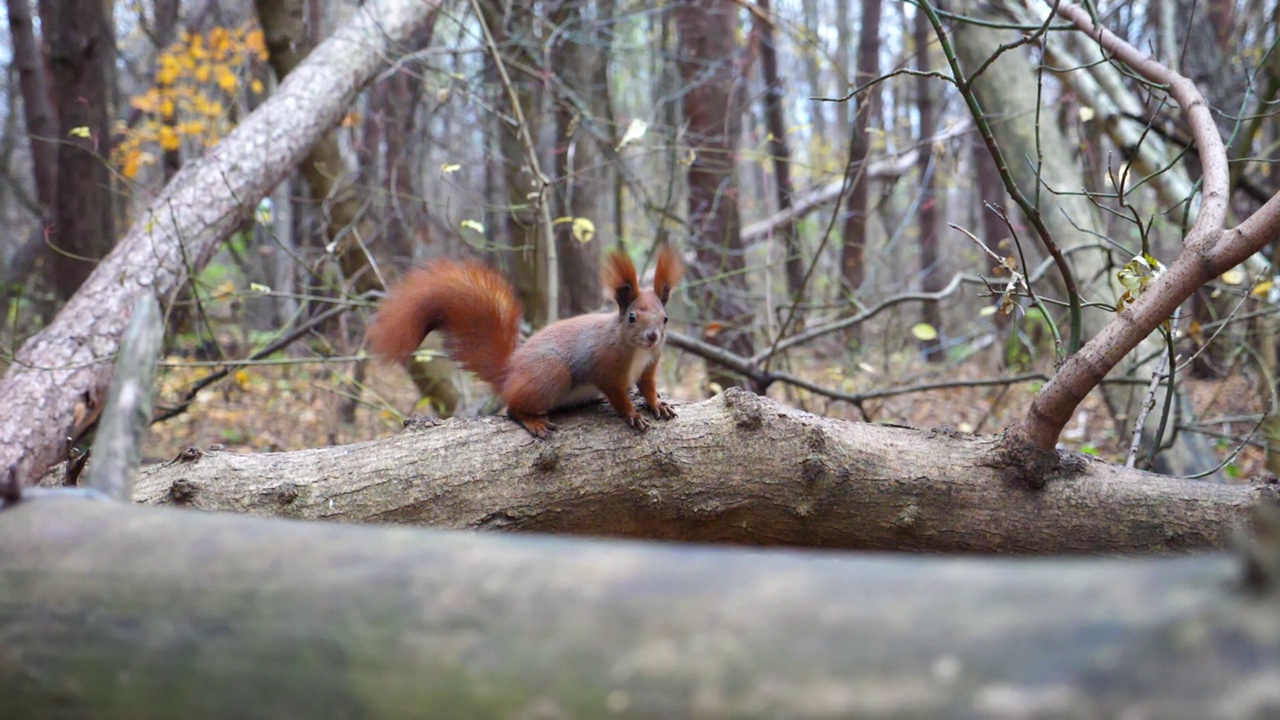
(619, 275)
(670, 270)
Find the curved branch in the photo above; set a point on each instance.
(1208, 251)
(1213, 154)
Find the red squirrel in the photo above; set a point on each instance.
(566, 363)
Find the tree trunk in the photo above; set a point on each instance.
(852, 256)
(932, 280)
(581, 102)
(509, 24)
(780, 148)
(344, 202)
(166, 30)
(845, 79)
(82, 52)
(738, 468)
(112, 611)
(813, 71)
(54, 389)
(707, 52)
(42, 126)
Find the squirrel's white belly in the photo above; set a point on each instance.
(578, 395)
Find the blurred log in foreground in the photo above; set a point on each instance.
(120, 611)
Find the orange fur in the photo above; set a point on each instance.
(473, 305)
(563, 364)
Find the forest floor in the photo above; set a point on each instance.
(297, 406)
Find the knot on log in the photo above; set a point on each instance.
(746, 408)
(1026, 466)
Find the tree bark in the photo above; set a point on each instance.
(166, 31)
(810, 56)
(42, 126)
(82, 52)
(780, 148)
(852, 256)
(345, 203)
(510, 25)
(578, 61)
(54, 389)
(779, 476)
(931, 279)
(706, 60)
(112, 611)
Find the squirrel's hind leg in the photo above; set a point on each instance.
(537, 425)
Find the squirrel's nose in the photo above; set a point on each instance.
(652, 336)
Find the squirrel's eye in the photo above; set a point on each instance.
(665, 319)
(631, 318)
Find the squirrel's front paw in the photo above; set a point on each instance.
(663, 411)
(638, 422)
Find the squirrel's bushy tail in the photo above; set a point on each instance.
(472, 304)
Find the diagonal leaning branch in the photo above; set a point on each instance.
(1208, 251)
(55, 387)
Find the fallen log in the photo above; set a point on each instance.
(735, 469)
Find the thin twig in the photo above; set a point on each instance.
(1148, 403)
(549, 251)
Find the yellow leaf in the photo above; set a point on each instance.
(259, 288)
(255, 44)
(81, 131)
(227, 80)
(219, 39)
(351, 120)
(715, 388)
(1086, 113)
(132, 161)
(583, 230)
(924, 331)
(256, 86)
(1234, 276)
(169, 139)
(473, 225)
(203, 73)
(1263, 288)
(450, 168)
(167, 108)
(148, 102)
(169, 71)
(1137, 274)
(242, 377)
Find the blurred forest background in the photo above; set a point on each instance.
(857, 254)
